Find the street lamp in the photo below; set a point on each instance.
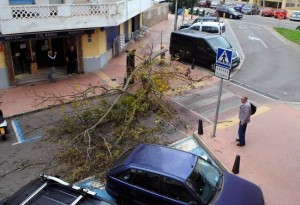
(176, 16)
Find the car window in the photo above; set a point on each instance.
(203, 180)
(197, 28)
(122, 158)
(146, 180)
(219, 42)
(231, 9)
(176, 190)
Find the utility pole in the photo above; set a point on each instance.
(176, 16)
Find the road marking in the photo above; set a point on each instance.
(257, 39)
(235, 120)
(19, 134)
(107, 79)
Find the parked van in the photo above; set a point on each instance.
(200, 46)
(209, 27)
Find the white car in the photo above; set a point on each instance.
(209, 27)
(215, 4)
(295, 16)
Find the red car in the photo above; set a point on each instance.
(267, 11)
(204, 3)
(280, 13)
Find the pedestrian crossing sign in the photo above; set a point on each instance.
(224, 58)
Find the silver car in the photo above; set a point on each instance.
(295, 16)
(215, 3)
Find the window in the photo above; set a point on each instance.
(143, 179)
(197, 28)
(176, 190)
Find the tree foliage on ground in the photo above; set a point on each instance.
(94, 131)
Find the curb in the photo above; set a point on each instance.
(210, 152)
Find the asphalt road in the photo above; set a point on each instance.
(271, 65)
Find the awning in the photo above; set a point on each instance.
(42, 35)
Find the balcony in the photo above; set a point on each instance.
(48, 17)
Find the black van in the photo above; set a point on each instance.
(200, 46)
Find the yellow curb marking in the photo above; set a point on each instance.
(107, 79)
(235, 120)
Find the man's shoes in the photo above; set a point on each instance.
(240, 145)
(237, 140)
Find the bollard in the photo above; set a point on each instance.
(200, 128)
(193, 64)
(236, 166)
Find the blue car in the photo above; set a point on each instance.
(154, 174)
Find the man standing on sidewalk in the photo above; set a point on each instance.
(72, 60)
(244, 116)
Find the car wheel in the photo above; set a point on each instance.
(230, 16)
(213, 66)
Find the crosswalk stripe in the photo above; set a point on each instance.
(235, 120)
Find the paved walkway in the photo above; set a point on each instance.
(270, 158)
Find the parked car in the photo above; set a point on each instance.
(251, 9)
(154, 174)
(202, 47)
(282, 12)
(228, 3)
(267, 11)
(49, 190)
(204, 3)
(215, 3)
(295, 16)
(209, 27)
(238, 7)
(200, 19)
(229, 12)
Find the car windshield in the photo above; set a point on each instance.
(219, 42)
(247, 7)
(296, 13)
(231, 9)
(204, 180)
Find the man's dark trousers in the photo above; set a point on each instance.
(242, 132)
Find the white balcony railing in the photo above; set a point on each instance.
(54, 11)
(48, 17)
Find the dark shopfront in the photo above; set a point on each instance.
(26, 55)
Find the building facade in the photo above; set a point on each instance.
(30, 27)
(288, 4)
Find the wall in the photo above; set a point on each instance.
(3, 73)
(94, 52)
(155, 15)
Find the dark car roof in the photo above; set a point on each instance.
(162, 159)
(194, 33)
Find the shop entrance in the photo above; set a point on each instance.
(26, 54)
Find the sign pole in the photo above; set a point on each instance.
(218, 106)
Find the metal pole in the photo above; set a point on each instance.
(218, 106)
(176, 16)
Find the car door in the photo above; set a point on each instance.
(175, 192)
(140, 186)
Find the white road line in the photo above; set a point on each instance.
(16, 132)
(257, 39)
(250, 90)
